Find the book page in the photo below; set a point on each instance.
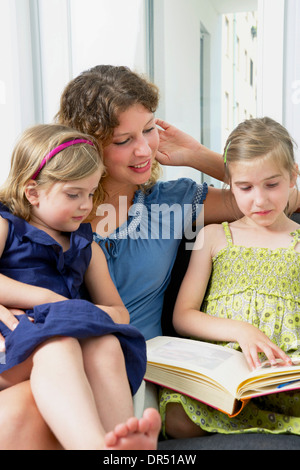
(224, 365)
(192, 355)
(270, 378)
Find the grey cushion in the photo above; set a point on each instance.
(234, 442)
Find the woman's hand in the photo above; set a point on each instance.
(252, 341)
(7, 316)
(177, 148)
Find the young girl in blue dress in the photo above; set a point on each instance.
(84, 361)
(242, 286)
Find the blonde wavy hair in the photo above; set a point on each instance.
(93, 101)
(73, 163)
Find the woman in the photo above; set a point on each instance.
(135, 226)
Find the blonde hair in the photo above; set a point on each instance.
(93, 102)
(261, 138)
(73, 163)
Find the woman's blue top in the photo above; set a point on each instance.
(142, 251)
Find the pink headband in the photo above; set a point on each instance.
(57, 150)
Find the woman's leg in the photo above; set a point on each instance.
(21, 424)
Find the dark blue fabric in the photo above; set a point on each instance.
(76, 319)
(33, 257)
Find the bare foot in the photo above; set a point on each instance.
(136, 434)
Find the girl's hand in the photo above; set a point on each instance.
(175, 146)
(252, 341)
(7, 316)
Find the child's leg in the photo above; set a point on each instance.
(139, 434)
(64, 396)
(105, 368)
(179, 425)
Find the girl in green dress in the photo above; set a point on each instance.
(242, 286)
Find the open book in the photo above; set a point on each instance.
(213, 374)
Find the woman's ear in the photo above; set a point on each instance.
(32, 192)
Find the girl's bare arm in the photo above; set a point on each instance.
(189, 320)
(102, 289)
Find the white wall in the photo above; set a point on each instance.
(45, 43)
(279, 64)
(103, 32)
(16, 80)
(291, 108)
(55, 53)
(108, 32)
(177, 68)
(36, 63)
(270, 61)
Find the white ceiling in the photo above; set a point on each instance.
(234, 6)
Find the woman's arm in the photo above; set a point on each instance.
(101, 288)
(220, 206)
(180, 149)
(190, 321)
(177, 148)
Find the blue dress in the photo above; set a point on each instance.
(141, 253)
(33, 257)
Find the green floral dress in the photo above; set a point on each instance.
(262, 287)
